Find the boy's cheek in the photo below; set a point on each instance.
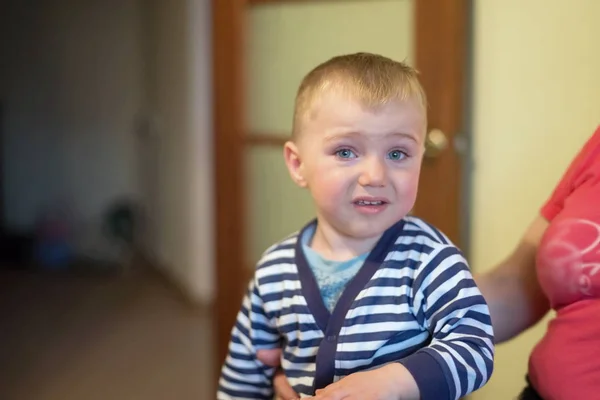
(327, 193)
(407, 181)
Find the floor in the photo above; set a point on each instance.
(100, 336)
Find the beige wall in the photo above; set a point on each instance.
(537, 99)
(181, 195)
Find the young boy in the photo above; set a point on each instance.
(366, 301)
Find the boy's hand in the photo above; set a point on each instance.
(272, 358)
(391, 382)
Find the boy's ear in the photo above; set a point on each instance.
(294, 163)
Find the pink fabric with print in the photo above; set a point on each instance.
(565, 365)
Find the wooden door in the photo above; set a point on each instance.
(246, 146)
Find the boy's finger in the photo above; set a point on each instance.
(283, 388)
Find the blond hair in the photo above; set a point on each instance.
(370, 79)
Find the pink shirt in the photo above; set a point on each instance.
(565, 365)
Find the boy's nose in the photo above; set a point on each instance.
(373, 173)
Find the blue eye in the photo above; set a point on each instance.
(345, 153)
(396, 155)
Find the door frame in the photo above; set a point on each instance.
(439, 24)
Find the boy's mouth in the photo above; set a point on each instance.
(369, 203)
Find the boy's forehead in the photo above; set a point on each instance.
(338, 101)
(352, 111)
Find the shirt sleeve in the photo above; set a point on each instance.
(575, 175)
(447, 302)
(243, 376)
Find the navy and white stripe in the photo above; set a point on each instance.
(414, 301)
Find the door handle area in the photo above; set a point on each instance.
(436, 142)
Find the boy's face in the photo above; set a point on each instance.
(361, 166)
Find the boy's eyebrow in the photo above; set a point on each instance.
(330, 137)
(336, 135)
(405, 135)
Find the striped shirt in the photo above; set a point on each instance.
(413, 301)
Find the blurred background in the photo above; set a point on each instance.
(114, 179)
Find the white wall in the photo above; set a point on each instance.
(71, 90)
(180, 97)
(537, 100)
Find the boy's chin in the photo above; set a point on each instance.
(367, 230)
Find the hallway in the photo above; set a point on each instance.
(93, 337)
